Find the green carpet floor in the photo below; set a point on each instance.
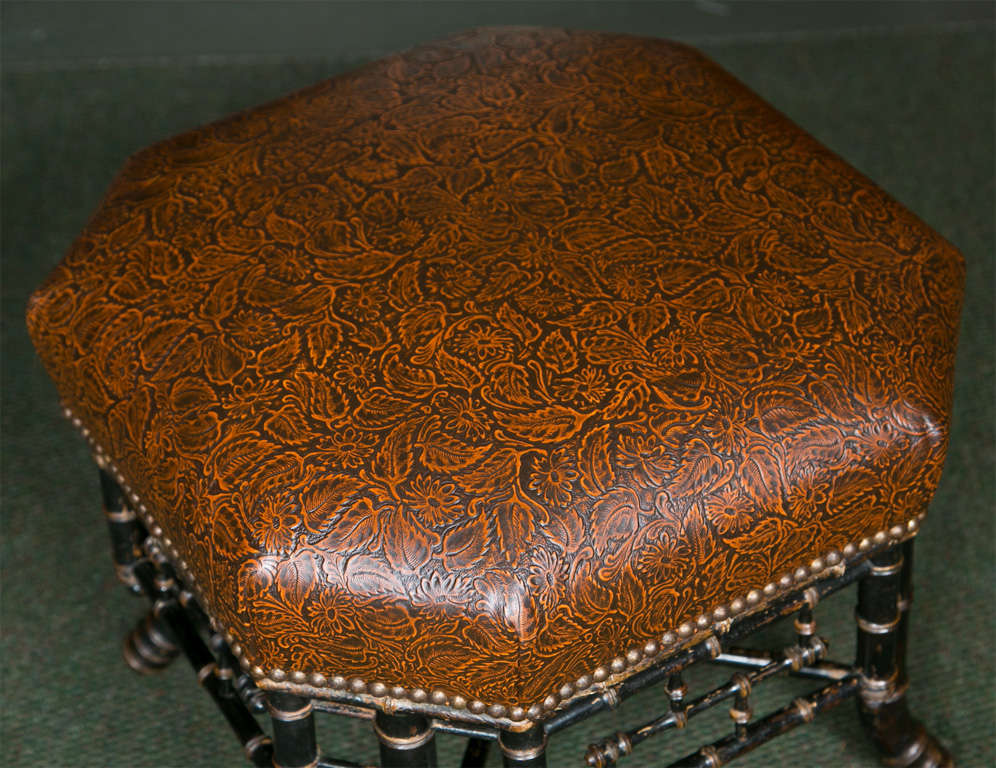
(913, 110)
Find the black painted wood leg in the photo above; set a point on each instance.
(150, 647)
(125, 530)
(294, 743)
(476, 753)
(525, 749)
(884, 597)
(406, 741)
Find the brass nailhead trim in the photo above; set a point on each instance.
(832, 561)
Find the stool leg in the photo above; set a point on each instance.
(124, 528)
(294, 743)
(150, 647)
(406, 741)
(525, 749)
(476, 753)
(884, 597)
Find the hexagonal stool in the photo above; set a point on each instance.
(481, 387)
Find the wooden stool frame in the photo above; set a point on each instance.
(877, 679)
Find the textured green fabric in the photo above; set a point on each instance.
(914, 111)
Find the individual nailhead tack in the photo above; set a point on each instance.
(378, 689)
(477, 707)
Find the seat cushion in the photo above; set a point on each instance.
(492, 370)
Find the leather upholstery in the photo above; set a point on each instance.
(478, 367)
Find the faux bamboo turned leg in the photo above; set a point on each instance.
(294, 743)
(124, 528)
(883, 611)
(157, 582)
(476, 753)
(406, 741)
(525, 749)
(150, 647)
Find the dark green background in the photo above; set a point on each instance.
(902, 90)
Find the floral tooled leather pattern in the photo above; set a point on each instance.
(483, 364)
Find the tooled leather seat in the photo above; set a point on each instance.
(494, 369)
